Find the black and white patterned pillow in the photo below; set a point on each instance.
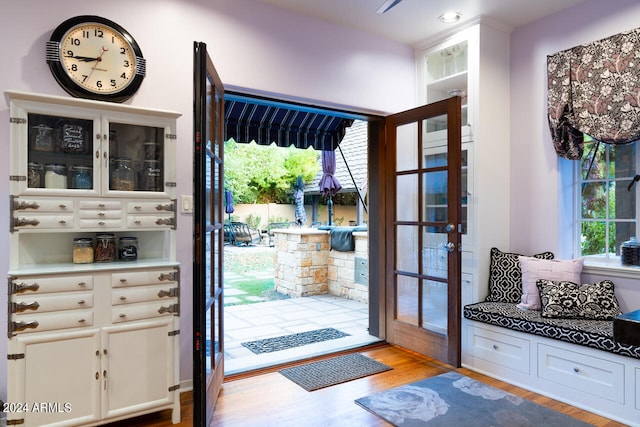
(505, 276)
(596, 301)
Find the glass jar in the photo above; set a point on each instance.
(82, 250)
(151, 150)
(81, 177)
(105, 247)
(73, 138)
(151, 176)
(122, 177)
(128, 249)
(34, 175)
(42, 138)
(55, 175)
(630, 252)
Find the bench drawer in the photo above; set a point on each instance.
(502, 349)
(584, 373)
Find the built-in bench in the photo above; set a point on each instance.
(571, 360)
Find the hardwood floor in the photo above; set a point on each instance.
(269, 399)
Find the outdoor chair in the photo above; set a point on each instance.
(241, 234)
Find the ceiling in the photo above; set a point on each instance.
(412, 21)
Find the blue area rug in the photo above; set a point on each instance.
(453, 399)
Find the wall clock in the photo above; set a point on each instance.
(93, 57)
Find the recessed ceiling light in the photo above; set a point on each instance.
(449, 17)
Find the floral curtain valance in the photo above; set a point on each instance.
(594, 89)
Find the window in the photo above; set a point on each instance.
(607, 213)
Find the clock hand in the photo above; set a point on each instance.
(98, 59)
(83, 58)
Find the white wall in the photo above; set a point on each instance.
(541, 199)
(253, 45)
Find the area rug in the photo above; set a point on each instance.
(453, 399)
(285, 342)
(328, 372)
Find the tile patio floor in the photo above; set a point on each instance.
(259, 320)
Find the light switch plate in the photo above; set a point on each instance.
(186, 204)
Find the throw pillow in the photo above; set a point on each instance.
(569, 300)
(550, 269)
(505, 276)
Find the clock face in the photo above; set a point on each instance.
(92, 57)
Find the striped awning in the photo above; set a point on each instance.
(265, 122)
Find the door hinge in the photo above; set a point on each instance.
(174, 333)
(172, 308)
(18, 120)
(17, 178)
(15, 356)
(15, 422)
(170, 136)
(174, 387)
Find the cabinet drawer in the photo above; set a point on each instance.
(100, 223)
(137, 221)
(38, 205)
(26, 221)
(100, 205)
(144, 293)
(45, 303)
(147, 310)
(26, 323)
(137, 278)
(99, 214)
(41, 285)
(150, 207)
(502, 349)
(582, 372)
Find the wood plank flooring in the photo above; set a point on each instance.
(269, 399)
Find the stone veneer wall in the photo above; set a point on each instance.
(305, 265)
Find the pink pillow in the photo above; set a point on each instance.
(534, 269)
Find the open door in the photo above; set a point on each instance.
(208, 337)
(423, 232)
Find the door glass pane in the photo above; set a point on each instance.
(435, 196)
(438, 123)
(407, 299)
(407, 197)
(407, 248)
(407, 147)
(434, 252)
(434, 306)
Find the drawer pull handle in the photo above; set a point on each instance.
(101, 223)
(122, 315)
(164, 221)
(62, 222)
(123, 280)
(26, 205)
(122, 298)
(167, 276)
(495, 346)
(137, 207)
(81, 302)
(81, 321)
(576, 370)
(82, 284)
(101, 214)
(137, 221)
(25, 221)
(18, 288)
(168, 309)
(23, 306)
(61, 206)
(101, 205)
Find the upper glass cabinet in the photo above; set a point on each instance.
(99, 149)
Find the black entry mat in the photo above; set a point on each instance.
(328, 372)
(285, 342)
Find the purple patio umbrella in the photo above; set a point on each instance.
(228, 203)
(329, 184)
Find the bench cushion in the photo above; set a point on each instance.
(590, 333)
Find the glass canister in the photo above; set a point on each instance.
(151, 176)
(630, 252)
(81, 177)
(122, 177)
(35, 174)
(42, 138)
(73, 138)
(105, 247)
(151, 150)
(128, 249)
(82, 250)
(55, 175)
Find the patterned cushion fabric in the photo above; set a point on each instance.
(551, 269)
(590, 333)
(505, 276)
(569, 300)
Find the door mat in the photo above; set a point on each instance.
(336, 370)
(452, 399)
(269, 345)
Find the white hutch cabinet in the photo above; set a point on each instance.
(473, 63)
(93, 282)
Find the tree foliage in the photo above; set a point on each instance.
(266, 174)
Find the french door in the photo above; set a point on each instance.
(424, 227)
(208, 337)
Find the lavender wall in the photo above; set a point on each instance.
(254, 46)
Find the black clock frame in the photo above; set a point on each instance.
(57, 69)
